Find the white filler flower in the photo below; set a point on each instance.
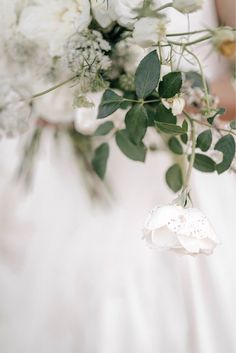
(178, 229)
(53, 21)
(187, 6)
(176, 104)
(149, 31)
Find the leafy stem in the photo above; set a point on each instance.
(191, 161)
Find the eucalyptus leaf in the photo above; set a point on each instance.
(164, 115)
(204, 163)
(132, 151)
(174, 177)
(184, 137)
(136, 121)
(226, 145)
(204, 140)
(104, 128)
(147, 75)
(175, 146)
(99, 162)
(170, 85)
(170, 128)
(109, 104)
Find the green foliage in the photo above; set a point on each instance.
(136, 121)
(233, 124)
(175, 146)
(170, 85)
(109, 104)
(174, 177)
(147, 75)
(204, 140)
(204, 163)
(104, 128)
(226, 145)
(170, 128)
(99, 161)
(164, 115)
(132, 151)
(220, 111)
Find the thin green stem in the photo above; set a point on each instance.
(53, 88)
(169, 4)
(186, 33)
(199, 40)
(213, 126)
(191, 161)
(204, 82)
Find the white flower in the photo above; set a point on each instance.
(149, 31)
(127, 11)
(224, 41)
(103, 12)
(53, 21)
(178, 229)
(187, 6)
(176, 104)
(128, 55)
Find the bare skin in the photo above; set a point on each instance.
(222, 87)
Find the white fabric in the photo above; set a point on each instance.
(77, 277)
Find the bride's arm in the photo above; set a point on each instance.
(223, 87)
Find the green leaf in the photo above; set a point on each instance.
(164, 115)
(136, 121)
(100, 158)
(175, 146)
(132, 151)
(104, 128)
(220, 111)
(174, 177)
(170, 85)
(147, 75)
(233, 124)
(184, 137)
(204, 163)
(109, 104)
(226, 145)
(204, 140)
(170, 128)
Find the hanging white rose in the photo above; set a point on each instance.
(187, 6)
(54, 21)
(181, 230)
(176, 104)
(149, 31)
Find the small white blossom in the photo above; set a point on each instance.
(187, 6)
(224, 41)
(128, 55)
(176, 104)
(181, 230)
(53, 21)
(149, 31)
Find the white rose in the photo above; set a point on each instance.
(54, 21)
(176, 104)
(187, 6)
(103, 12)
(178, 229)
(127, 11)
(149, 31)
(129, 55)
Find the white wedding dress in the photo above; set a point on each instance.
(76, 277)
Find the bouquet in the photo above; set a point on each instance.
(103, 69)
